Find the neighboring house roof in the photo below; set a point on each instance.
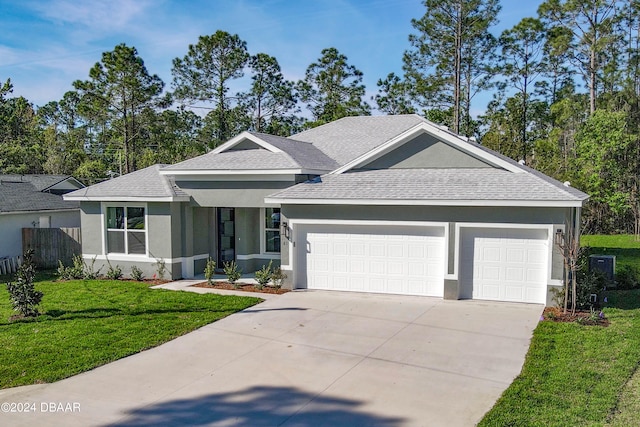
(26, 197)
(145, 184)
(350, 137)
(41, 182)
(269, 153)
(451, 187)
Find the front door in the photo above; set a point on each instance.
(226, 236)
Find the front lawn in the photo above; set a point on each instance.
(575, 375)
(87, 323)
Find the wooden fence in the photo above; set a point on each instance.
(52, 244)
(9, 265)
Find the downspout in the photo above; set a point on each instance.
(577, 213)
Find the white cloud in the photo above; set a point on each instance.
(94, 14)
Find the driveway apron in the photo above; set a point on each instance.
(306, 358)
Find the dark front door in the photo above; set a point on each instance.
(226, 236)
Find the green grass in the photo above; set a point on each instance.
(578, 375)
(624, 246)
(85, 324)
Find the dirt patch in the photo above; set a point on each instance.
(595, 318)
(244, 287)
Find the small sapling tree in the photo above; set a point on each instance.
(22, 291)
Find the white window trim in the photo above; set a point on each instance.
(263, 232)
(124, 256)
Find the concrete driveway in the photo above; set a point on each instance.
(305, 359)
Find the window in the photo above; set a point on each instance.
(272, 230)
(126, 232)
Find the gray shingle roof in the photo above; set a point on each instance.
(294, 155)
(25, 197)
(237, 160)
(303, 153)
(40, 182)
(144, 183)
(350, 137)
(432, 184)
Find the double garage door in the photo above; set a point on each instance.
(495, 264)
(386, 259)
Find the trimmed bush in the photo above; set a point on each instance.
(210, 270)
(136, 274)
(263, 276)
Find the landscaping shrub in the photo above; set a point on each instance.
(278, 277)
(75, 271)
(210, 270)
(161, 268)
(589, 282)
(232, 271)
(627, 277)
(136, 274)
(22, 292)
(90, 273)
(114, 273)
(263, 276)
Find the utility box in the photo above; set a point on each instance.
(604, 263)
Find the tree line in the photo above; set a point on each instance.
(565, 86)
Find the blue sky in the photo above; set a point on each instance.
(47, 44)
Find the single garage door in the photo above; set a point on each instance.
(504, 264)
(386, 259)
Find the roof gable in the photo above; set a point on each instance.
(257, 153)
(424, 151)
(350, 138)
(56, 184)
(245, 141)
(439, 133)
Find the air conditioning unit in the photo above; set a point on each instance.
(604, 263)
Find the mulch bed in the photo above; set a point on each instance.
(555, 314)
(244, 287)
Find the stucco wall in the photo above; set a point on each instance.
(426, 151)
(159, 231)
(91, 228)
(163, 237)
(11, 226)
(429, 213)
(232, 194)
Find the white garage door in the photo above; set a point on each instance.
(386, 259)
(504, 265)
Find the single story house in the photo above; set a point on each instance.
(389, 204)
(34, 201)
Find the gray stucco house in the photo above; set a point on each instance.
(390, 204)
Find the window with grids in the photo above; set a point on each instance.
(272, 230)
(126, 231)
